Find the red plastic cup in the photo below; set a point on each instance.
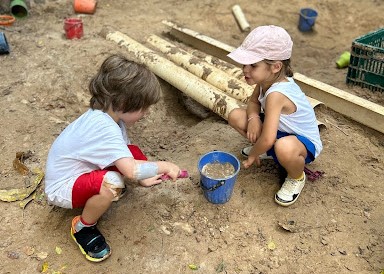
(73, 28)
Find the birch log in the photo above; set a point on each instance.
(228, 68)
(236, 72)
(196, 88)
(218, 73)
(216, 77)
(240, 18)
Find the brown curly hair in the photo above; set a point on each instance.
(124, 85)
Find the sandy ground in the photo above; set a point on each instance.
(335, 227)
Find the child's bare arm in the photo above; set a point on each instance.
(253, 115)
(253, 105)
(274, 104)
(140, 170)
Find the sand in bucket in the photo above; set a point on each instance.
(218, 171)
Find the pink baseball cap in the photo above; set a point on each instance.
(264, 42)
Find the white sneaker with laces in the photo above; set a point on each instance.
(289, 191)
(245, 152)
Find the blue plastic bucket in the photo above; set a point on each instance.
(4, 48)
(218, 191)
(307, 19)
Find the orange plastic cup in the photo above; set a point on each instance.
(85, 6)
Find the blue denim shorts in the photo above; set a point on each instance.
(308, 145)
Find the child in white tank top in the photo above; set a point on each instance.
(287, 131)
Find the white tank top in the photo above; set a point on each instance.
(303, 121)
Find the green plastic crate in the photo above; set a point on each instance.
(366, 67)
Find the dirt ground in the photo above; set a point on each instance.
(336, 226)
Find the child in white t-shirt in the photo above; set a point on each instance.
(287, 131)
(88, 161)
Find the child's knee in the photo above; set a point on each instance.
(114, 181)
(237, 118)
(233, 115)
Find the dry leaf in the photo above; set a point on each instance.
(58, 250)
(41, 256)
(13, 195)
(271, 245)
(193, 267)
(288, 226)
(44, 267)
(19, 165)
(28, 250)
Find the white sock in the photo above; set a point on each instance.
(80, 225)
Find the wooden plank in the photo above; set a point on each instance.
(359, 109)
(352, 106)
(201, 42)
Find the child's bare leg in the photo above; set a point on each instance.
(291, 154)
(111, 187)
(97, 205)
(84, 231)
(237, 119)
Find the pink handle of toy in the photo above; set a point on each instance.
(183, 174)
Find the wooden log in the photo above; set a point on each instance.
(232, 86)
(240, 18)
(210, 70)
(228, 68)
(234, 71)
(216, 77)
(196, 88)
(352, 106)
(359, 109)
(200, 41)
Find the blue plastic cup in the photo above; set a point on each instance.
(4, 48)
(307, 19)
(218, 190)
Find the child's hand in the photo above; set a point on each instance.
(174, 173)
(151, 181)
(183, 174)
(251, 160)
(168, 169)
(254, 130)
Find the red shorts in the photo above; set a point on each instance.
(89, 184)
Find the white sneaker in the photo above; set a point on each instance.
(289, 191)
(245, 152)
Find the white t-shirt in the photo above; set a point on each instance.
(303, 121)
(93, 141)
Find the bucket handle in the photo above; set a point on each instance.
(219, 184)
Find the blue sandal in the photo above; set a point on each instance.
(91, 242)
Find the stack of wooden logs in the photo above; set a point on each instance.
(193, 86)
(210, 86)
(217, 85)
